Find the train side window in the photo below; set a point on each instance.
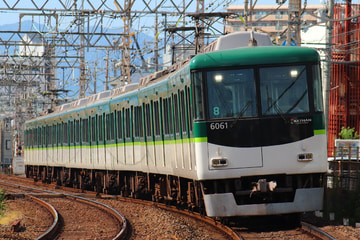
(138, 130)
(93, 129)
(318, 100)
(45, 136)
(71, 130)
(156, 118)
(100, 128)
(36, 137)
(141, 125)
(198, 96)
(59, 134)
(77, 131)
(112, 124)
(148, 120)
(136, 123)
(85, 130)
(183, 113)
(119, 125)
(48, 136)
(189, 106)
(108, 127)
(166, 116)
(127, 123)
(65, 133)
(176, 113)
(42, 136)
(171, 116)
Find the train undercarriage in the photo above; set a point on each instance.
(184, 193)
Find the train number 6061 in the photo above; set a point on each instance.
(218, 125)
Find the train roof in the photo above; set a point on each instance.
(254, 56)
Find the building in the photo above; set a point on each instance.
(272, 19)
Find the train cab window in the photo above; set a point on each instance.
(198, 95)
(284, 90)
(231, 93)
(318, 100)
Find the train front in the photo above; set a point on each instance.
(260, 134)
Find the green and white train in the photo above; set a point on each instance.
(237, 132)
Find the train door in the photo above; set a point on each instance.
(111, 154)
(77, 147)
(58, 143)
(129, 141)
(150, 155)
(44, 146)
(168, 135)
(189, 122)
(65, 140)
(49, 147)
(185, 143)
(72, 154)
(85, 143)
(120, 139)
(93, 143)
(35, 155)
(101, 163)
(139, 148)
(179, 163)
(53, 141)
(159, 141)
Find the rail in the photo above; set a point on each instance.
(316, 231)
(122, 234)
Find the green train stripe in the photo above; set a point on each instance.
(320, 132)
(156, 143)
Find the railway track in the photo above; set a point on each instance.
(168, 213)
(307, 231)
(74, 217)
(281, 230)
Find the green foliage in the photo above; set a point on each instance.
(2, 202)
(348, 133)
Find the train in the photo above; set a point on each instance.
(235, 131)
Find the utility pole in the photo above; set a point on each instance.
(293, 32)
(327, 65)
(107, 70)
(199, 32)
(82, 80)
(125, 56)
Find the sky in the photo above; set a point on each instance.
(7, 17)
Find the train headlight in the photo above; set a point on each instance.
(305, 157)
(219, 162)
